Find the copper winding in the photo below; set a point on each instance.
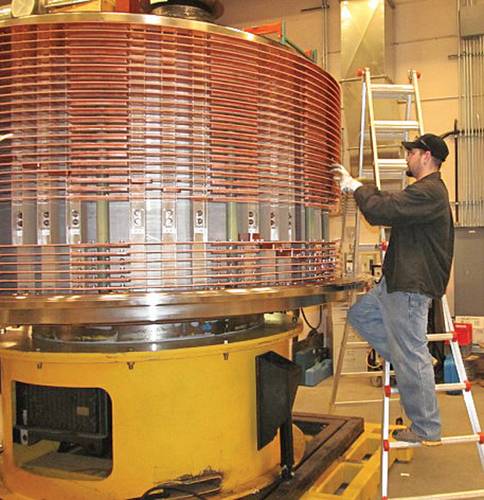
(136, 114)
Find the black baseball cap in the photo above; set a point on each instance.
(429, 142)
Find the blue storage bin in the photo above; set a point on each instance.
(450, 373)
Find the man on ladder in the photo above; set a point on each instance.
(392, 317)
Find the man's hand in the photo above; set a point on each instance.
(346, 183)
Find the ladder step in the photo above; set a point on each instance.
(396, 125)
(391, 91)
(391, 163)
(446, 496)
(389, 168)
(437, 337)
(456, 386)
(471, 438)
(391, 134)
(431, 337)
(389, 174)
(357, 344)
(368, 247)
(361, 401)
(376, 373)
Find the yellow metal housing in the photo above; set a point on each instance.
(175, 412)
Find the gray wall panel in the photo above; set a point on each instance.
(469, 271)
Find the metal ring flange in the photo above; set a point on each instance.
(152, 307)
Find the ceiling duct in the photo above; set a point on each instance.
(366, 42)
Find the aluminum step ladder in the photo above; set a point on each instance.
(382, 169)
(463, 385)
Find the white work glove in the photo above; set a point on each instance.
(5, 136)
(346, 183)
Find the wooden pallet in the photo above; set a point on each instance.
(356, 475)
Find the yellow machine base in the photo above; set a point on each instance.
(356, 475)
(176, 413)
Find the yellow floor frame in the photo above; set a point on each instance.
(356, 475)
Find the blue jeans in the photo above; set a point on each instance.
(395, 325)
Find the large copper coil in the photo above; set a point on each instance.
(155, 154)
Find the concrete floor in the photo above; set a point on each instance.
(432, 471)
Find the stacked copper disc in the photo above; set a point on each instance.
(158, 154)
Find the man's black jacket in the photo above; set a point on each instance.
(421, 246)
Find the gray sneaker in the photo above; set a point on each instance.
(409, 436)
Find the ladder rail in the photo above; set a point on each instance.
(418, 103)
(371, 118)
(461, 372)
(361, 146)
(408, 115)
(385, 452)
(361, 156)
(341, 355)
